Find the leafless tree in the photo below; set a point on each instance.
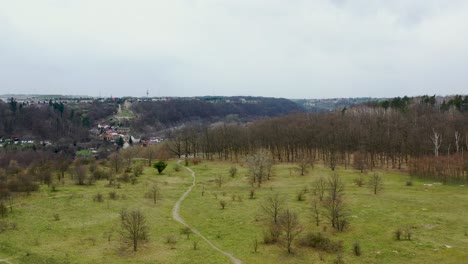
(316, 211)
(304, 164)
(334, 204)
(134, 227)
(273, 206)
(375, 183)
(154, 193)
(320, 186)
(80, 174)
(436, 139)
(289, 223)
(457, 141)
(116, 161)
(219, 180)
(259, 167)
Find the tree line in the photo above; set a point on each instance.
(364, 137)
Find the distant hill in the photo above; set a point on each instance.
(174, 111)
(329, 104)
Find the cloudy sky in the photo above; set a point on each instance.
(278, 48)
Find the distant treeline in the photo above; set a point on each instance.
(51, 121)
(175, 112)
(364, 137)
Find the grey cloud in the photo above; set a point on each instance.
(290, 49)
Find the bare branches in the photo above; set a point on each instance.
(134, 227)
(436, 139)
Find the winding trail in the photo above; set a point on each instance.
(178, 218)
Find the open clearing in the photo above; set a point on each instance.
(88, 231)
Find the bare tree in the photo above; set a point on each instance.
(316, 211)
(154, 193)
(259, 167)
(436, 139)
(219, 180)
(80, 174)
(457, 141)
(134, 227)
(375, 183)
(273, 206)
(304, 164)
(289, 223)
(233, 171)
(319, 187)
(334, 204)
(116, 161)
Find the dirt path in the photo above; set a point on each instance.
(176, 216)
(6, 261)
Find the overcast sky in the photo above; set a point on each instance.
(278, 48)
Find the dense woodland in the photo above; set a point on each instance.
(53, 121)
(163, 114)
(427, 137)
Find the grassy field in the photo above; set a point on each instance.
(88, 231)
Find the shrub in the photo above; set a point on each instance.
(300, 196)
(222, 203)
(233, 171)
(357, 249)
(171, 240)
(318, 241)
(186, 231)
(359, 181)
(138, 169)
(56, 216)
(398, 234)
(3, 210)
(160, 166)
(98, 198)
(124, 178)
(272, 234)
(255, 245)
(113, 195)
(252, 194)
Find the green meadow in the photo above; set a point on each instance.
(67, 225)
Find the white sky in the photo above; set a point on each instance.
(292, 49)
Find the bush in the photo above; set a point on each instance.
(252, 194)
(233, 171)
(124, 178)
(222, 203)
(318, 241)
(272, 234)
(98, 198)
(3, 210)
(56, 216)
(177, 167)
(171, 240)
(196, 161)
(398, 234)
(255, 245)
(113, 195)
(300, 196)
(409, 183)
(359, 181)
(357, 249)
(160, 166)
(138, 169)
